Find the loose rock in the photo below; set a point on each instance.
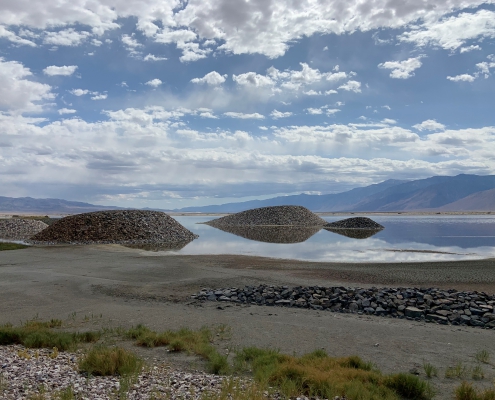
(420, 304)
(275, 216)
(116, 226)
(355, 223)
(20, 229)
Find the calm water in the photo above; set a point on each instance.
(405, 238)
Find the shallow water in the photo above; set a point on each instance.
(405, 238)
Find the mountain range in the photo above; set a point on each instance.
(438, 193)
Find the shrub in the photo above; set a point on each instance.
(104, 361)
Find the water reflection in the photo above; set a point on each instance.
(354, 233)
(271, 234)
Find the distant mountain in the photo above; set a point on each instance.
(28, 204)
(433, 193)
(480, 201)
(327, 202)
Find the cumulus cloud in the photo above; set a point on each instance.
(314, 111)
(452, 32)
(461, 78)
(402, 69)
(351, 86)
(252, 79)
(64, 111)
(154, 82)
(65, 70)
(212, 78)
(239, 115)
(79, 92)
(467, 49)
(66, 37)
(152, 57)
(19, 94)
(275, 114)
(99, 96)
(11, 36)
(429, 125)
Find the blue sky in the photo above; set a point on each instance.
(172, 103)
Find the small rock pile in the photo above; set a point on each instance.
(272, 234)
(276, 215)
(354, 223)
(116, 226)
(431, 305)
(20, 229)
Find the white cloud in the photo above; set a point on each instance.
(331, 91)
(79, 92)
(212, 78)
(252, 79)
(239, 115)
(65, 70)
(18, 94)
(351, 86)
(192, 52)
(402, 69)
(100, 96)
(386, 107)
(469, 48)
(389, 121)
(429, 125)
(11, 36)
(129, 41)
(461, 78)
(64, 111)
(331, 111)
(314, 111)
(452, 32)
(154, 82)
(66, 37)
(312, 92)
(278, 114)
(151, 57)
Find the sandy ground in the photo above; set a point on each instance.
(127, 287)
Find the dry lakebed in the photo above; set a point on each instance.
(125, 287)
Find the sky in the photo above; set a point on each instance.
(172, 103)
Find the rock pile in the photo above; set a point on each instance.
(275, 216)
(430, 305)
(354, 223)
(116, 226)
(272, 234)
(20, 229)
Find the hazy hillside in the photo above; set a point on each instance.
(480, 201)
(28, 204)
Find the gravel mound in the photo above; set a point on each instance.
(272, 234)
(116, 226)
(275, 216)
(355, 223)
(355, 233)
(447, 307)
(20, 229)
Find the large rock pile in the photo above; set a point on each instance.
(354, 223)
(274, 216)
(20, 229)
(431, 305)
(116, 226)
(272, 234)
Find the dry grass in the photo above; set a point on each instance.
(104, 361)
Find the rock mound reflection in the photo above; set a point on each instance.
(354, 233)
(272, 234)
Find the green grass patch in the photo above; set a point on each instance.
(39, 334)
(459, 370)
(193, 342)
(482, 356)
(105, 361)
(11, 246)
(466, 391)
(430, 370)
(317, 374)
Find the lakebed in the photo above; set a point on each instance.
(129, 286)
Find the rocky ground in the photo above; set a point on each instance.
(276, 215)
(117, 226)
(430, 305)
(20, 229)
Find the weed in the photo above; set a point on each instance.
(430, 370)
(457, 371)
(66, 394)
(477, 373)
(466, 391)
(3, 383)
(409, 386)
(482, 356)
(103, 361)
(233, 389)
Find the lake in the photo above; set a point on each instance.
(405, 238)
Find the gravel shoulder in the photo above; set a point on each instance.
(129, 286)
